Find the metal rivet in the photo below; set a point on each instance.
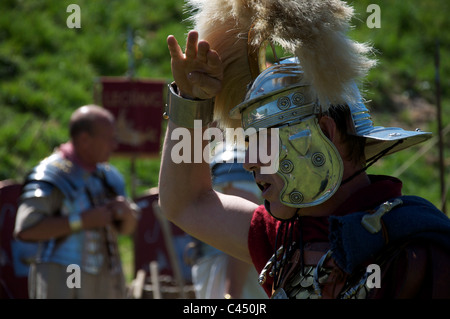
(318, 159)
(286, 166)
(296, 197)
(298, 98)
(283, 103)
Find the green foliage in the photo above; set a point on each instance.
(405, 47)
(48, 69)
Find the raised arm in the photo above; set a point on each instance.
(186, 194)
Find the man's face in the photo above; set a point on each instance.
(271, 184)
(103, 142)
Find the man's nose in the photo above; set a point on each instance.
(251, 162)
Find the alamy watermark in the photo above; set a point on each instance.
(372, 21)
(74, 19)
(373, 276)
(262, 145)
(74, 279)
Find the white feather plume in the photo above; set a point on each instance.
(313, 30)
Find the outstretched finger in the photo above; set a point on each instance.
(174, 48)
(191, 45)
(203, 49)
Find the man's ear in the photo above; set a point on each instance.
(328, 126)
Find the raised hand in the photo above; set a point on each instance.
(198, 72)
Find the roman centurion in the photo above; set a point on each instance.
(324, 219)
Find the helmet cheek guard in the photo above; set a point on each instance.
(309, 164)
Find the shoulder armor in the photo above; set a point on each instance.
(55, 171)
(36, 189)
(112, 177)
(352, 243)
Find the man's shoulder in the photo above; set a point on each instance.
(53, 171)
(412, 200)
(53, 165)
(419, 213)
(357, 236)
(112, 176)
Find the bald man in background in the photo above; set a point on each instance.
(74, 204)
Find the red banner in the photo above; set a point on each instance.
(138, 107)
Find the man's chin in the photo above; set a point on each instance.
(279, 211)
